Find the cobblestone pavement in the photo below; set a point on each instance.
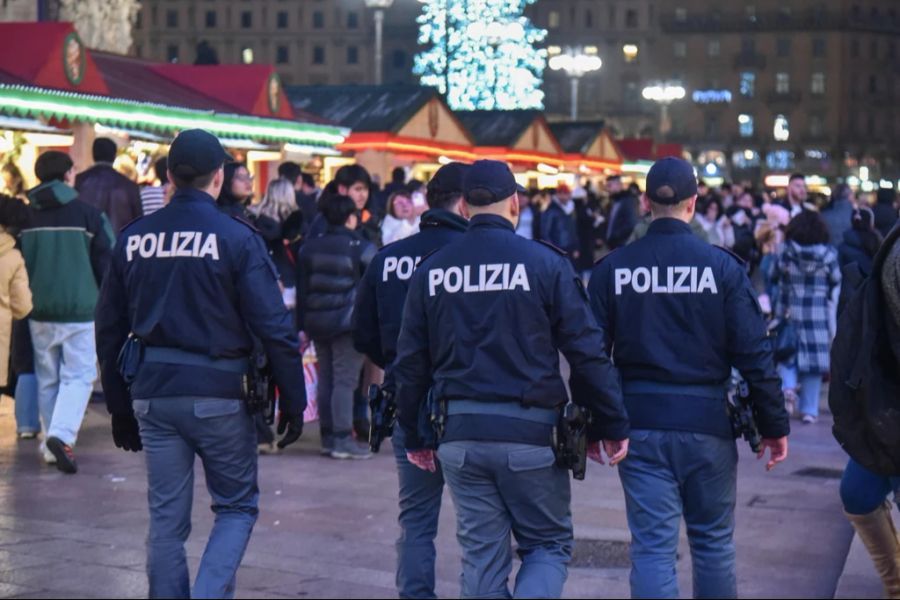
(327, 528)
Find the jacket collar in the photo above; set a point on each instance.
(192, 195)
(51, 194)
(669, 226)
(490, 222)
(438, 217)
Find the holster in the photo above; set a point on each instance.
(570, 440)
(130, 358)
(384, 415)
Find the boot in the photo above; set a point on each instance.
(877, 532)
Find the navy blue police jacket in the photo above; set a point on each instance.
(678, 314)
(191, 278)
(382, 292)
(485, 319)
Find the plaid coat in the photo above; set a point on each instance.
(807, 276)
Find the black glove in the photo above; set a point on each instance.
(293, 424)
(126, 433)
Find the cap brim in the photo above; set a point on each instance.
(521, 189)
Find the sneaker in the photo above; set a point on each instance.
(65, 458)
(269, 448)
(327, 443)
(809, 419)
(347, 447)
(27, 435)
(46, 455)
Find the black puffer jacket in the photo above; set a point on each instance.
(329, 269)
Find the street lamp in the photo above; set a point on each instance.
(576, 62)
(664, 93)
(379, 6)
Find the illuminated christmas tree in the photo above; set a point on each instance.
(481, 54)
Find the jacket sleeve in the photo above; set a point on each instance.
(597, 292)
(112, 328)
(102, 241)
(263, 309)
(595, 381)
(413, 368)
(134, 202)
(19, 292)
(750, 352)
(366, 327)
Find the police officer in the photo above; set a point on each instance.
(679, 314)
(484, 320)
(378, 312)
(190, 284)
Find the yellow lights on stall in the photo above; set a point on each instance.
(547, 169)
(51, 140)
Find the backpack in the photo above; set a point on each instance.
(864, 395)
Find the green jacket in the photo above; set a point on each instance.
(67, 246)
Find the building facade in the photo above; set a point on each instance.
(771, 85)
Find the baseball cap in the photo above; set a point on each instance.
(448, 179)
(491, 176)
(671, 180)
(194, 153)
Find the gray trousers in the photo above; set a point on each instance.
(500, 488)
(221, 433)
(339, 367)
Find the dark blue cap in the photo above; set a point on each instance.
(448, 179)
(493, 177)
(671, 180)
(195, 153)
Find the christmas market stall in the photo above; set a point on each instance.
(590, 152)
(56, 93)
(392, 126)
(523, 139)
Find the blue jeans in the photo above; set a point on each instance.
(863, 491)
(27, 415)
(65, 365)
(669, 474)
(810, 388)
(420, 508)
(500, 488)
(221, 432)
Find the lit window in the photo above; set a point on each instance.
(553, 19)
(780, 160)
(681, 15)
(782, 129)
(745, 125)
(630, 52)
(782, 83)
(247, 56)
(818, 83)
(748, 84)
(750, 11)
(680, 49)
(714, 48)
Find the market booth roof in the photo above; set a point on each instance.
(646, 149)
(588, 143)
(50, 75)
(401, 119)
(517, 136)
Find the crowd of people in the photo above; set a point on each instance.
(793, 244)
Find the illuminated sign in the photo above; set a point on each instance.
(711, 96)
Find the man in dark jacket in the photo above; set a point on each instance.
(66, 244)
(330, 267)
(838, 213)
(558, 222)
(623, 214)
(885, 210)
(106, 189)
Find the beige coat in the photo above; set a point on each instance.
(15, 297)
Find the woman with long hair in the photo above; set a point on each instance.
(807, 274)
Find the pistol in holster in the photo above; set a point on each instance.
(258, 388)
(570, 440)
(384, 415)
(740, 412)
(432, 420)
